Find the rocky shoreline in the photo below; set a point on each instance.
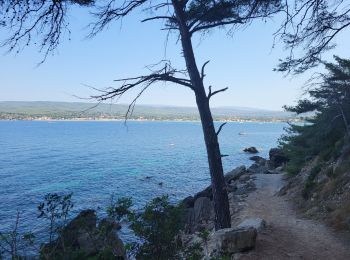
(200, 211)
(91, 238)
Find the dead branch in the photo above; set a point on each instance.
(220, 128)
(166, 74)
(210, 94)
(159, 18)
(203, 68)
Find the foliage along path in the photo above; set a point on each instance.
(287, 235)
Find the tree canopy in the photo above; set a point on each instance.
(31, 20)
(309, 30)
(328, 98)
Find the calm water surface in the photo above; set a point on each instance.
(95, 159)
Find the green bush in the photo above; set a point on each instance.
(157, 226)
(310, 182)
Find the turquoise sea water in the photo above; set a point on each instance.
(95, 159)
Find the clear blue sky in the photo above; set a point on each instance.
(243, 62)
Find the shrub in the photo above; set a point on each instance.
(157, 226)
(310, 182)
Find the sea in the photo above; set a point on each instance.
(96, 160)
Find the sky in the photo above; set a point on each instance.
(243, 62)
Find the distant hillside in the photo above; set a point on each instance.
(74, 110)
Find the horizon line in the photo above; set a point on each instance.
(142, 104)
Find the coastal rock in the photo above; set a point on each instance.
(258, 168)
(231, 240)
(258, 160)
(82, 237)
(243, 188)
(277, 157)
(207, 192)
(230, 177)
(235, 174)
(200, 216)
(257, 223)
(188, 202)
(203, 210)
(250, 150)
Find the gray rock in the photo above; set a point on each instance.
(203, 210)
(231, 176)
(200, 216)
(207, 192)
(277, 157)
(257, 223)
(244, 188)
(257, 168)
(258, 160)
(188, 202)
(250, 150)
(231, 188)
(235, 174)
(231, 240)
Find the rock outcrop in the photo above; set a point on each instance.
(250, 150)
(84, 238)
(199, 210)
(277, 157)
(226, 242)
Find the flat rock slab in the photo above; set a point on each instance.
(257, 223)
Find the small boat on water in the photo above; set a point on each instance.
(242, 133)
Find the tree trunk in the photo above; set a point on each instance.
(218, 184)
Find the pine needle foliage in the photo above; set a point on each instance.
(328, 97)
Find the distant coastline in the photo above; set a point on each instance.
(69, 111)
(151, 120)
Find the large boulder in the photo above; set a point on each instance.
(277, 157)
(83, 237)
(200, 217)
(250, 150)
(203, 210)
(257, 223)
(258, 160)
(231, 240)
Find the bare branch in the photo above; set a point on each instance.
(43, 18)
(112, 12)
(160, 17)
(220, 128)
(166, 74)
(203, 68)
(310, 28)
(210, 94)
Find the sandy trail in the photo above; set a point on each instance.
(288, 236)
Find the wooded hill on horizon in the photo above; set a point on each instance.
(71, 110)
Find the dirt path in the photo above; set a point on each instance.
(287, 235)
